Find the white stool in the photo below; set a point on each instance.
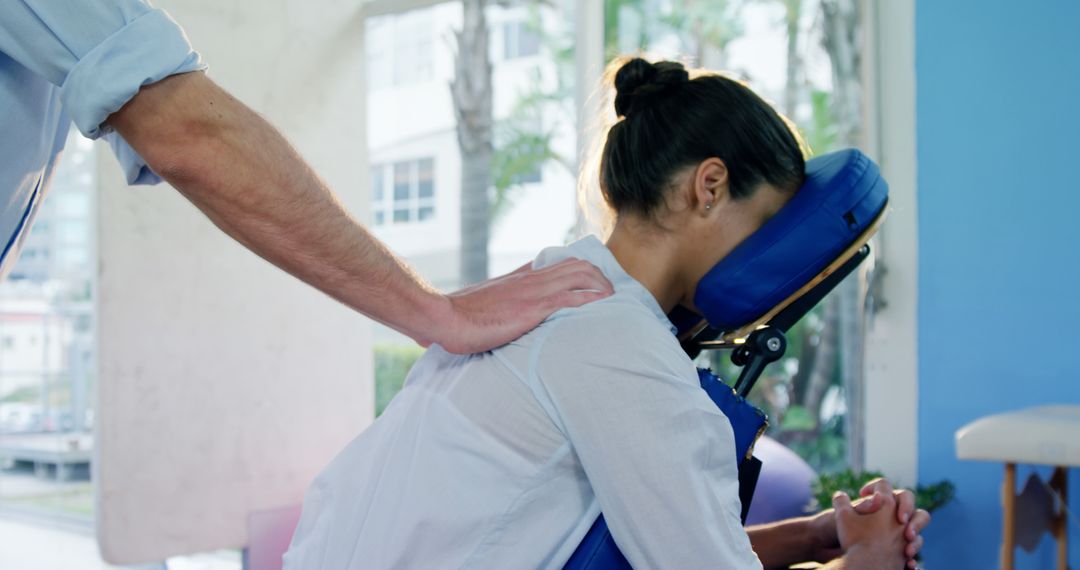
(1046, 435)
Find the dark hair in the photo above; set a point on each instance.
(670, 121)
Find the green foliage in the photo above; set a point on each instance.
(933, 497)
(825, 449)
(712, 22)
(392, 365)
(523, 140)
(23, 394)
(613, 10)
(798, 418)
(929, 497)
(696, 24)
(821, 136)
(521, 151)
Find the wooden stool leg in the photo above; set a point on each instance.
(1008, 526)
(1059, 483)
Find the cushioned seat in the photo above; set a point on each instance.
(1045, 435)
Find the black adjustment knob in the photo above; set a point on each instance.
(770, 343)
(740, 356)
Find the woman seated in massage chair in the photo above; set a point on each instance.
(505, 459)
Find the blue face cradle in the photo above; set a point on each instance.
(843, 195)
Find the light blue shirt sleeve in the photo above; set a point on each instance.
(99, 52)
(657, 452)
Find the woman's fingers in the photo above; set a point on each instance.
(919, 521)
(905, 499)
(868, 505)
(842, 503)
(905, 505)
(874, 485)
(913, 547)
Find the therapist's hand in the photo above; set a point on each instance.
(497, 311)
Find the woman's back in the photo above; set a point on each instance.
(503, 459)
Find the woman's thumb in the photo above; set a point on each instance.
(841, 502)
(869, 505)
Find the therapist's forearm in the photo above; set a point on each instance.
(237, 169)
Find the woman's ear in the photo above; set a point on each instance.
(710, 185)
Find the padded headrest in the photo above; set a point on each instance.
(842, 196)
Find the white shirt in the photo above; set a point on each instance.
(505, 459)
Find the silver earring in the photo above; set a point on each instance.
(708, 205)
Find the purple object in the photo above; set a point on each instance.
(783, 489)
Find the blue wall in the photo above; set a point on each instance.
(998, 127)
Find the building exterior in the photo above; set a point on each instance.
(414, 157)
(46, 306)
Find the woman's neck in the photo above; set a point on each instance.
(652, 258)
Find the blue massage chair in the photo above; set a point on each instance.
(749, 300)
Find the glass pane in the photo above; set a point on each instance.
(402, 180)
(380, 217)
(378, 32)
(528, 41)
(47, 352)
(415, 122)
(426, 178)
(412, 46)
(73, 205)
(377, 184)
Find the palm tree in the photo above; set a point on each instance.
(471, 92)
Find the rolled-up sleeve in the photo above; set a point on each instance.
(99, 52)
(657, 452)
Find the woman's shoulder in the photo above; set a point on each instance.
(616, 330)
(620, 312)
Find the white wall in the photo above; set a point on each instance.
(891, 397)
(226, 385)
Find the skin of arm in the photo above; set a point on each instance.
(817, 538)
(247, 179)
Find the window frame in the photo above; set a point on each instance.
(385, 203)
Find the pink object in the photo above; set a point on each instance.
(269, 535)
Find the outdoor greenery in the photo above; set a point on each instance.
(392, 364)
(929, 497)
(73, 499)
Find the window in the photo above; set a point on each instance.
(519, 40)
(412, 138)
(400, 49)
(812, 395)
(403, 192)
(47, 337)
(73, 205)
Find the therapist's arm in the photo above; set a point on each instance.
(237, 169)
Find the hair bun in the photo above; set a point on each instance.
(638, 82)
